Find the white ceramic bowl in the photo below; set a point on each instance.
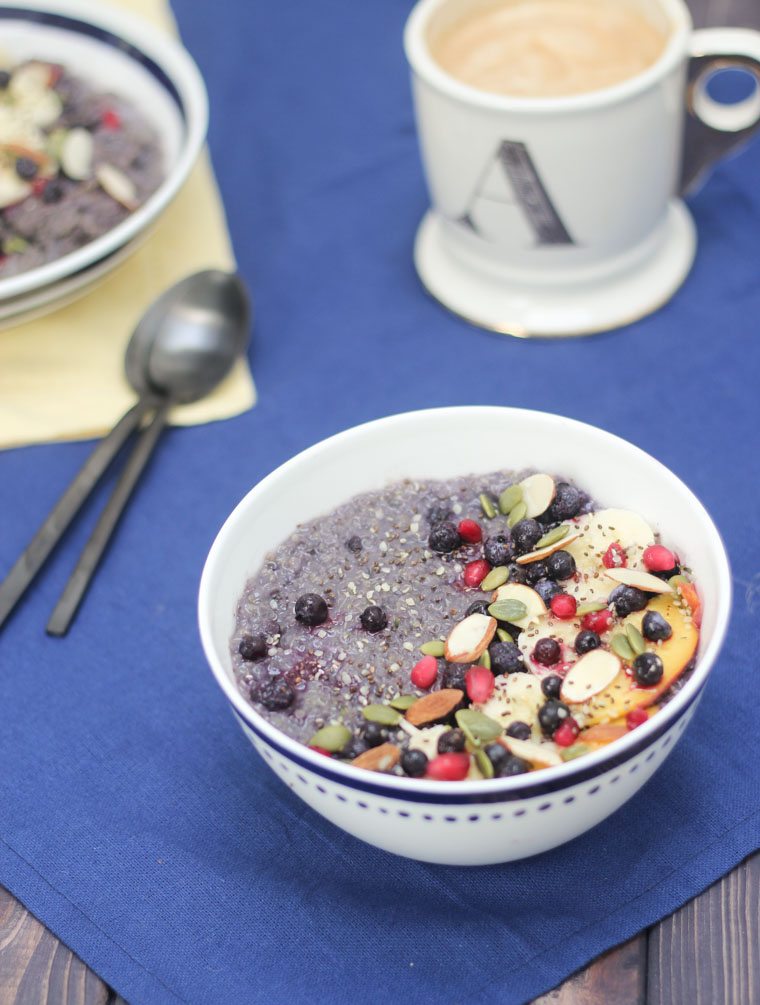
(464, 823)
(116, 52)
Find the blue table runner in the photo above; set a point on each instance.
(135, 819)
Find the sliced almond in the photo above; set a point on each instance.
(641, 580)
(12, 188)
(433, 707)
(381, 758)
(540, 755)
(536, 556)
(470, 638)
(44, 109)
(76, 154)
(591, 674)
(29, 81)
(534, 605)
(538, 493)
(117, 185)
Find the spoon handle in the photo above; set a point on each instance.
(79, 581)
(52, 530)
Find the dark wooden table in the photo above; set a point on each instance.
(708, 953)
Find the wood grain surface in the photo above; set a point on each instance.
(707, 953)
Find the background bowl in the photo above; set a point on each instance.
(119, 53)
(465, 823)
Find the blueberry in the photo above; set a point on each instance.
(311, 609)
(517, 574)
(551, 685)
(497, 755)
(355, 746)
(655, 628)
(497, 550)
(514, 630)
(512, 766)
(546, 589)
(374, 734)
(373, 619)
(585, 641)
(648, 669)
(478, 607)
(451, 742)
(444, 537)
(354, 544)
(454, 675)
(519, 730)
(5, 79)
(27, 168)
(561, 565)
(627, 599)
(668, 573)
(536, 571)
(525, 536)
(566, 504)
(414, 763)
(551, 715)
(506, 658)
(439, 513)
(547, 652)
(52, 192)
(274, 694)
(253, 647)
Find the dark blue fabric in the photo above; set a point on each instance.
(135, 819)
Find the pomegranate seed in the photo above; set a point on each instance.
(479, 684)
(425, 672)
(615, 557)
(470, 531)
(475, 572)
(39, 185)
(565, 734)
(321, 750)
(597, 621)
(563, 606)
(636, 717)
(56, 72)
(658, 559)
(448, 767)
(110, 120)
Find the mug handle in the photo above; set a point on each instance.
(713, 129)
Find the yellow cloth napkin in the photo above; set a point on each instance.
(62, 376)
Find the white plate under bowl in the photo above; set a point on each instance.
(119, 53)
(464, 823)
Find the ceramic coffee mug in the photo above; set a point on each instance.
(561, 216)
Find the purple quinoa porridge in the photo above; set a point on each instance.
(74, 163)
(478, 627)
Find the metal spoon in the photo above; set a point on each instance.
(184, 345)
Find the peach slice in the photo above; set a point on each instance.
(623, 694)
(593, 672)
(538, 493)
(641, 580)
(469, 639)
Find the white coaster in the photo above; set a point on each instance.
(579, 309)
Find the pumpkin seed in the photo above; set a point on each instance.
(552, 536)
(403, 701)
(487, 506)
(516, 514)
(483, 761)
(577, 749)
(508, 610)
(496, 577)
(676, 581)
(14, 245)
(503, 635)
(485, 659)
(332, 738)
(481, 727)
(433, 648)
(510, 498)
(383, 714)
(636, 639)
(620, 645)
(589, 608)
